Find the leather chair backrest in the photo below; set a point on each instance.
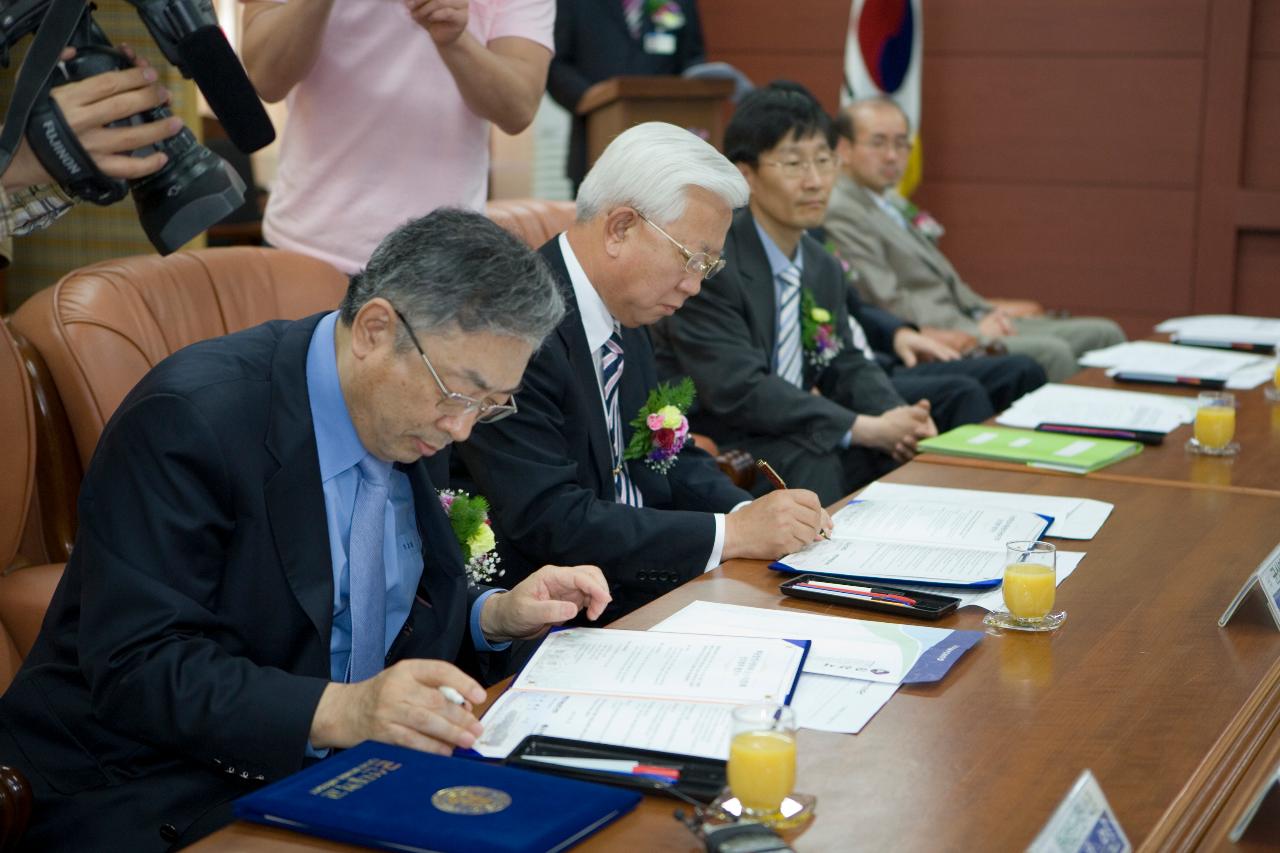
(533, 220)
(102, 327)
(10, 660)
(17, 449)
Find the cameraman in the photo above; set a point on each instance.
(30, 200)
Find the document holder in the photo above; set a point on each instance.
(881, 598)
(702, 779)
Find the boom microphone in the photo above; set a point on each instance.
(210, 61)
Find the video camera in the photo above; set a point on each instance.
(196, 187)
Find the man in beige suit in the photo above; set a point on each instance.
(902, 271)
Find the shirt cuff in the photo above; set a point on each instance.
(312, 752)
(717, 547)
(846, 440)
(477, 635)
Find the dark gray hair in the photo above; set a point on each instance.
(456, 267)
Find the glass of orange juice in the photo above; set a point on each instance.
(1273, 390)
(1215, 425)
(762, 759)
(1029, 588)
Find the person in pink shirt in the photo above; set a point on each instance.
(389, 109)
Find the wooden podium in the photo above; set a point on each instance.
(611, 106)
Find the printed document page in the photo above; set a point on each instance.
(688, 728)
(1227, 328)
(1073, 518)
(1099, 407)
(732, 670)
(1240, 370)
(934, 524)
(844, 647)
(898, 561)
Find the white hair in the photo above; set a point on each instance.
(651, 166)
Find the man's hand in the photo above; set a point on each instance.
(88, 106)
(773, 525)
(959, 341)
(913, 348)
(1019, 307)
(996, 324)
(444, 20)
(400, 705)
(897, 431)
(549, 596)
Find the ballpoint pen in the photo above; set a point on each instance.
(772, 476)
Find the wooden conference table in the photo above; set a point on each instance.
(1140, 686)
(1255, 468)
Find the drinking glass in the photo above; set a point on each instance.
(1028, 588)
(1215, 425)
(762, 758)
(1273, 390)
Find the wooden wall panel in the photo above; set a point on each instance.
(1121, 121)
(1258, 274)
(757, 26)
(1092, 250)
(804, 44)
(813, 72)
(1262, 137)
(1078, 27)
(1266, 28)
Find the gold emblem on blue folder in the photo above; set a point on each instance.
(470, 799)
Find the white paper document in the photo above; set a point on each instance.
(1099, 407)
(1239, 370)
(993, 599)
(1073, 518)
(828, 703)
(671, 692)
(1225, 328)
(842, 647)
(918, 542)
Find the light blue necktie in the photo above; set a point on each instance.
(365, 572)
(611, 365)
(787, 356)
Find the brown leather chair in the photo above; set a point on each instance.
(533, 220)
(25, 590)
(102, 327)
(94, 334)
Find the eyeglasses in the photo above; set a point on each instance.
(695, 263)
(453, 403)
(794, 167)
(880, 143)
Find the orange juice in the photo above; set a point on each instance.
(762, 769)
(1215, 425)
(1028, 589)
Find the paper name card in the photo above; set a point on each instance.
(1266, 578)
(1082, 822)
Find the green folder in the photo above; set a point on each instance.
(1058, 451)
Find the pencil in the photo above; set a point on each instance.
(772, 476)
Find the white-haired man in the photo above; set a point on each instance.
(651, 222)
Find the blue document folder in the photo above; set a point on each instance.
(395, 798)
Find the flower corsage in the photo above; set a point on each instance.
(817, 332)
(469, 518)
(665, 14)
(661, 429)
(923, 221)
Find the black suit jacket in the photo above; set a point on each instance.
(724, 339)
(594, 44)
(187, 644)
(547, 472)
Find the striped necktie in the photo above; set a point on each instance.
(611, 364)
(786, 359)
(367, 578)
(632, 10)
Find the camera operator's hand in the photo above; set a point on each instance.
(88, 106)
(444, 20)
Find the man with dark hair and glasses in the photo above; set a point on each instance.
(651, 220)
(901, 270)
(263, 570)
(780, 369)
